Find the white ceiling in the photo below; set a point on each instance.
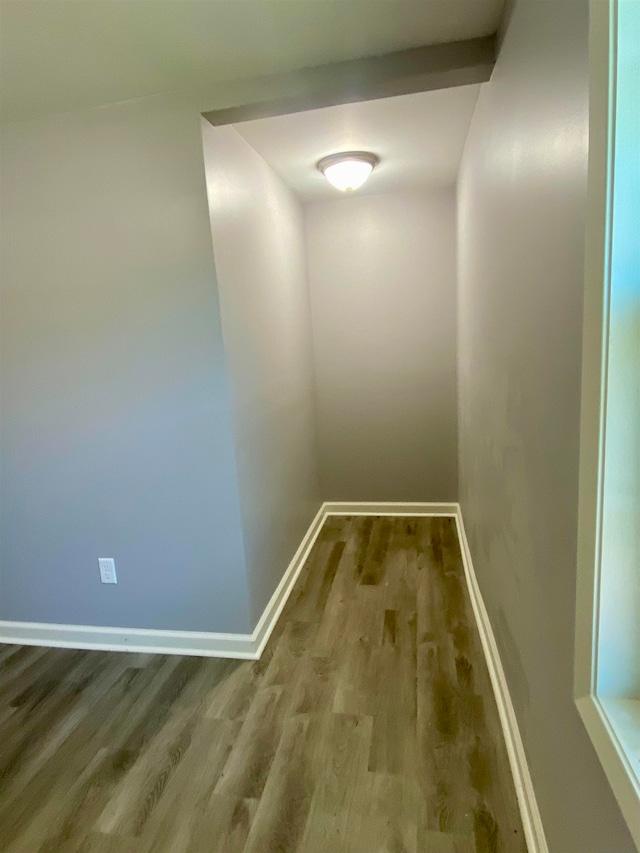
(58, 55)
(419, 139)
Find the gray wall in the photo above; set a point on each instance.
(383, 293)
(116, 423)
(522, 192)
(258, 239)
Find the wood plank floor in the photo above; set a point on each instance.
(368, 726)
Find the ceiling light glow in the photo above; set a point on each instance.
(349, 170)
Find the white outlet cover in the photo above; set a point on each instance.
(107, 566)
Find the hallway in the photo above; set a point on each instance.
(368, 726)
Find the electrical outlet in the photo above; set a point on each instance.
(107, 570)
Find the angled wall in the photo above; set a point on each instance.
(258, 241)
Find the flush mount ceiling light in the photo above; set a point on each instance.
(349, 170)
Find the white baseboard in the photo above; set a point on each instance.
(389, 508)
(240, 646)
(250, 646)
(202, 643)
(279, 598)
(531, 821)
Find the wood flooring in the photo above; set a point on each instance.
(368, 726)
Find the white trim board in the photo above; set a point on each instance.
(250, 646)
(398, 508)
(615, 755)
(240, 646)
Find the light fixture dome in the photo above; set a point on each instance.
(348, 170)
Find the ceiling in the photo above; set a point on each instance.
(59, 55)
(419, 139)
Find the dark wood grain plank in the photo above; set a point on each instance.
(368, 725)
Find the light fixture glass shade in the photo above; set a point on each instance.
(349, 170)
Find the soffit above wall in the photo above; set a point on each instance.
(58, 55)
(419, 139)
